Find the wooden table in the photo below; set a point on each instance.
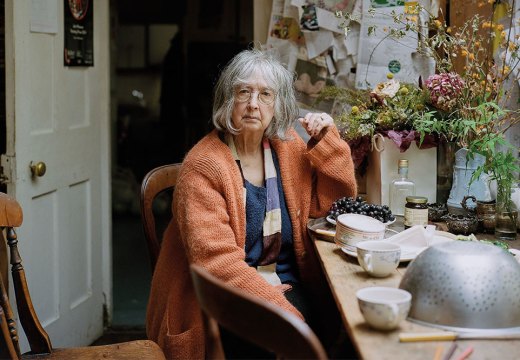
(345, 277)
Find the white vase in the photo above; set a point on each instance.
(462, 173)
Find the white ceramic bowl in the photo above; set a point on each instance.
(378, 258)
(383, 307)
(353, 228)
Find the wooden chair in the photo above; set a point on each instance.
(11, 216)
(157, 181)
(251, 318)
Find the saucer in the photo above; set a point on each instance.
(405, 255)
(408, 253)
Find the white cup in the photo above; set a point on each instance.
(378, 258)
(383, 307)
(353, 228)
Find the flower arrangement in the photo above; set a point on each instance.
(471, 105)
(480, 85)
(389, 106)
(451, 95)
(465, 101)
(392, 108)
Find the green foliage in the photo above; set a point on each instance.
(501, 164)
(499, 243)
(370, 111)
(474, 115)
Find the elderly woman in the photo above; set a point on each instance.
(242, 201)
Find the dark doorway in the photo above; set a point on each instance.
(166, 58)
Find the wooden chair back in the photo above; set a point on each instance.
(251, 318)
(157, 181)
(11, 217)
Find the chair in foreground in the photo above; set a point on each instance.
(11, 216)
(251, 318)
(158, 180)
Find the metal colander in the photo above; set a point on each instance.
(464, 285)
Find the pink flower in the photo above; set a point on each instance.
(444, 89)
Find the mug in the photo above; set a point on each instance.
(354, 228)
(485, 211)
(378, 258)
(383, 307)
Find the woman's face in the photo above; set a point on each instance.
(254, 105)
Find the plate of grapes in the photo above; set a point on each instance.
(351, 205)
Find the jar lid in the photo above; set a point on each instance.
(417, 199)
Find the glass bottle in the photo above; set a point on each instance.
(400, 188)
(506, 214)
(445, 165)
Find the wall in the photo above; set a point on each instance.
(261, 14)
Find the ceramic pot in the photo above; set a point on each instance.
(436, 211)
(461, 224)
(485, 212)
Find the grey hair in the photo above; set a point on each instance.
(278, 78)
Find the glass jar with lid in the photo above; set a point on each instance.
(415, 211)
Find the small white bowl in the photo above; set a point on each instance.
(353, 228)
(378, 258)
(384, 307)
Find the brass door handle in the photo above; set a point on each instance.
(38, 169)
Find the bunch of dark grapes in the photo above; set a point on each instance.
(349, 205)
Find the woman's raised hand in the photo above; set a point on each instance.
(316, 124)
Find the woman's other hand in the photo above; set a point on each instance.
(316, 124)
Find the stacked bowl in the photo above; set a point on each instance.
(353, 228)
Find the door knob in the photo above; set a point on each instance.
(38, 169)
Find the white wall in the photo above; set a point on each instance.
(262, 12)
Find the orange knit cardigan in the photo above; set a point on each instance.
(209, 228)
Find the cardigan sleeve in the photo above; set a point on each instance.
(334, 171)
(208, 226)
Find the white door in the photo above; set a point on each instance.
(60, 116)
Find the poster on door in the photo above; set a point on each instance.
(79, 31)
